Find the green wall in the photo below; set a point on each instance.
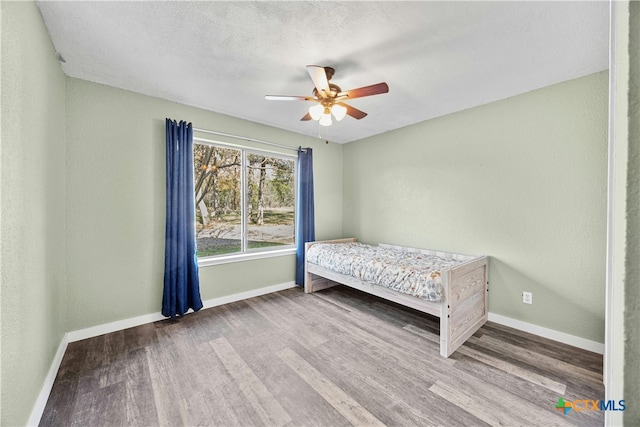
(32, 256)
(116, 203)
(632, 261)
(82, 221)
(522, 180)
(622, 361)
(82, 206)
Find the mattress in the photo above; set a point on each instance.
(411, 273)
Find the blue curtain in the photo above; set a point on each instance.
(181, 282)
(305, 221)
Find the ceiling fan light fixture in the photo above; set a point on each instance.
(338, 111)
(328, 98)
(315, 111)
(325, 120)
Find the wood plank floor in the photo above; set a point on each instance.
(334, 358)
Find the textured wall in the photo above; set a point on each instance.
(622, 364)
(522, 180)
(116, 203)
(32, 203)
(632, 288)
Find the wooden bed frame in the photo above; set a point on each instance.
(463, 309)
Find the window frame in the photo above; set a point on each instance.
(247, 254)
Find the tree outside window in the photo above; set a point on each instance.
(244, 200)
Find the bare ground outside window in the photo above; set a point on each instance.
(234, 187)
(224, 237)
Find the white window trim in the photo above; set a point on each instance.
(247, 256)
(252, 254)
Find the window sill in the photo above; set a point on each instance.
(226, 259)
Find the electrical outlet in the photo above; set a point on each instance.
(527, 298)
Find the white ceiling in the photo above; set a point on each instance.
(437, 57)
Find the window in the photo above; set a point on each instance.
(245, 200)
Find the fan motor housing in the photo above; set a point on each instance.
(334, 90)
(329, 71)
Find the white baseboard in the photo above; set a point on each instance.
(43, 397)
(94, 331)
(248, 294)
(551, 334)
(119, 325)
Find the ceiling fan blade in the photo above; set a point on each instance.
(306, 117)
(319, 77)
(289, 98)
(353, 112)
(366, 91)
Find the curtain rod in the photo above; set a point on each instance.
(246, 139)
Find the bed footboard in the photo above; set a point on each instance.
(466, 306)
(462, 312)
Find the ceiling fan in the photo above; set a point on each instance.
(329, 98)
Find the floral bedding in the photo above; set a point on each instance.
(411, 273)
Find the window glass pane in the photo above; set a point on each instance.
(270, 201)
(218, 199)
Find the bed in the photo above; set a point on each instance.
(453, 287)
